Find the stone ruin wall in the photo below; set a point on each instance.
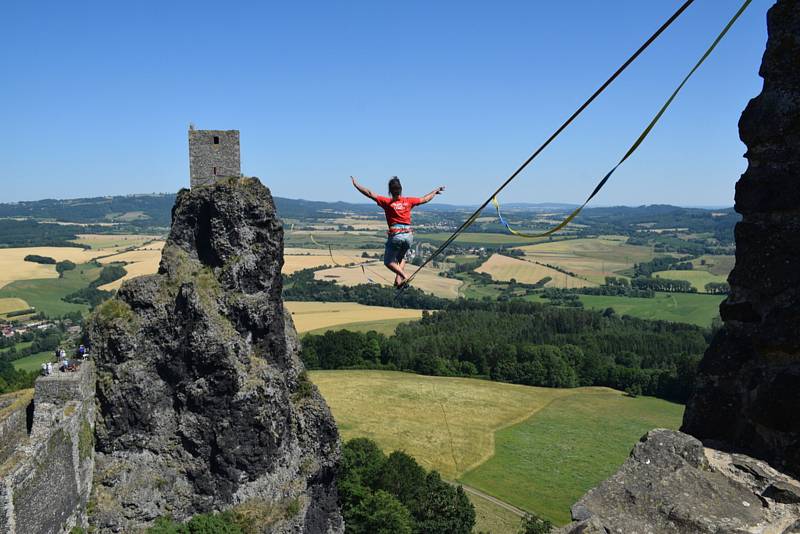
(206, 157)
(46, 474)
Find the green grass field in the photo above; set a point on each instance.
(33, 362)
(385, 327)
(536, 448)
(689, 308)
(19, 346)
(697, 278)
(45, 294)
(548, 462)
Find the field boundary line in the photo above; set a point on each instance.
(515, 421)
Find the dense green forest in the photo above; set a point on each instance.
(31, 233)
(302, 286)
(527, 343)
(394, 495)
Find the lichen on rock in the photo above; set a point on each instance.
(199, 379)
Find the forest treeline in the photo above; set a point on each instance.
(302, 286)
(527, 343)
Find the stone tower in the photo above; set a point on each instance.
(213, 154)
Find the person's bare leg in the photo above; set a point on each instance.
(398, 270)
(397, 279)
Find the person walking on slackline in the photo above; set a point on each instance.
(398, 217)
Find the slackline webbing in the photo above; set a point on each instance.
(635, 144)
(550, 139)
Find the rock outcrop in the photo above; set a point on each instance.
(671, 483)
(203, 402)
(747, 398)
(748, 392)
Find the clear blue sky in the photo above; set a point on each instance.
(96, 96)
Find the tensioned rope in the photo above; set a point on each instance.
(466, 224)
(635, 144)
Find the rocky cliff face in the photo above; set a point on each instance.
(748, 395)
(203, 404)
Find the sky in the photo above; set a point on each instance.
(96, 97)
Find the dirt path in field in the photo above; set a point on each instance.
(494, 500)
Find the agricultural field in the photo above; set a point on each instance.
(113, 241)
(320, 239)
(677, 307)
(12, 304)
(386, 327)
(310, 316)
(593, 259)
(479, 432)
(718, 265)
(698, 279)
(504, 268)
(13, 266)
(296, 259)
(427, 280)
(549, 461)
(45, 294)
(478, 239)
(143, 260)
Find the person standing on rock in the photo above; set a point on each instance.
(398, 217)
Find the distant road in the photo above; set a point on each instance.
(510, 507)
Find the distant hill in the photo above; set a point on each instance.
(154, 211)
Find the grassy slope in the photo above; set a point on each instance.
(548, 462)
(547, 451)
(34, 361)
(492, 518)
(677, 307)
(45, 294)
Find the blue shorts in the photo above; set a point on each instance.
(396, 247)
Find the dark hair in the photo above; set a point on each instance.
(394, 185)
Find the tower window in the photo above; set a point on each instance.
(215, 171)
(216, 139)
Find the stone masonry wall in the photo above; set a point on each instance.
(13, 421)
(46, 481)
(209, 161)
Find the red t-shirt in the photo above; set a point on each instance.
(397, 211)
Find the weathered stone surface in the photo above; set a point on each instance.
(46, 481)
(671, 484)
(748, 388)
(202, 402)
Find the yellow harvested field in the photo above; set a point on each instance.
(314, 315)
(296, 259)
(503, 268)
(427, 280)
(141, 261)
(593, 259)
(117, 242)
(12, 304)
(447, 424)
(13, 266)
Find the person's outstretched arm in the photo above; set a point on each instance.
(363, 190)
(427, 198)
